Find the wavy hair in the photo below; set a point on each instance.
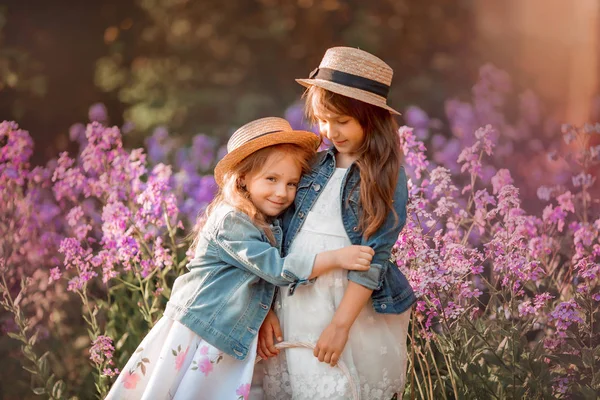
(235, 194)
(380, 155)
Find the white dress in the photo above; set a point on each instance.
(173, 362)
(376, 352)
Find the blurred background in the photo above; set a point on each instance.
(179, 76)
(209, 66)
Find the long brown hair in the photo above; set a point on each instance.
(234, 193)
(380, 156)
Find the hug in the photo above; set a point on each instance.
(295, 247)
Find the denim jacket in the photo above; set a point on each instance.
(230, 286)
(392, 293)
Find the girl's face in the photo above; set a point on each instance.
(344, 131)
(273, 188)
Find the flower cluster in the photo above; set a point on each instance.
(481, 265)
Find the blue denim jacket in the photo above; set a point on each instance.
(392, 293)
(230, 286)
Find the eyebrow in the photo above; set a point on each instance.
(330, 116)
(276, 174)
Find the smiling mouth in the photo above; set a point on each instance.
(340, 142)
(277, 204)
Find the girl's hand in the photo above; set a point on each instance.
(269, 329)
(355, 257)
(331, 344)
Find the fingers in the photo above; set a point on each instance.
(334, 359)
(265, 342)
(361, 264)
(367, 250)
(260, 352)
(270, 345)
(277, 330)
(328, 357)
(321, 355)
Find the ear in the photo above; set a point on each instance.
(242, 181)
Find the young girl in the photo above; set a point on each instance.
(355, 193)
(205, 345)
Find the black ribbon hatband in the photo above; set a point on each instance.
(264, 134)
(355, 81)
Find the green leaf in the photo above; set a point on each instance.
(491, 359)
(39, 390)
(58, 389)
(588, 392)
(30, 370)
(16, 337)
(33, 338)
(174, 352)
(566, 359)
(588, 357)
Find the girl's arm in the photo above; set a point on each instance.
(240, 243)
(332, 341)
(362, 283)
(384, 239)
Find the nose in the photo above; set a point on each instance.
(325, 128)
(281, 191)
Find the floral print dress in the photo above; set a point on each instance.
(172, 362)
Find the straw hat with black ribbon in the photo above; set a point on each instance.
(257, 135)
(353, 73)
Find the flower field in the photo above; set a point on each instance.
(502, 246)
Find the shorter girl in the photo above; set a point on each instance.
(205, 345)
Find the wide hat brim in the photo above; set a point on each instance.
(305, 139)
(348, 91)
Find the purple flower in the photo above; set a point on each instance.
(296, 117)
(97, 112)
(501, 179)
(416, 117)
(202, 152)
(159, 145)
(162, 258)
(414, 151)
(102, 350)
(77, 134)
(564, 315)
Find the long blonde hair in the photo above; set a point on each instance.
(234, 193)
(380, 156)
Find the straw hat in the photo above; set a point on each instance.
(353, 73)
(257, 135)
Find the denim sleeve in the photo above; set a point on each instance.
(241, 244)
(384, 239)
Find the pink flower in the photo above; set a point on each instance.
(181, 358)
(205, 366)
(501, 179)
(204, 350)
(243, 390)
(102, 350)
(130, 380)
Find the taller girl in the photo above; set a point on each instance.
(356, 193)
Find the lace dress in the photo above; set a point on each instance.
(376, 351)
